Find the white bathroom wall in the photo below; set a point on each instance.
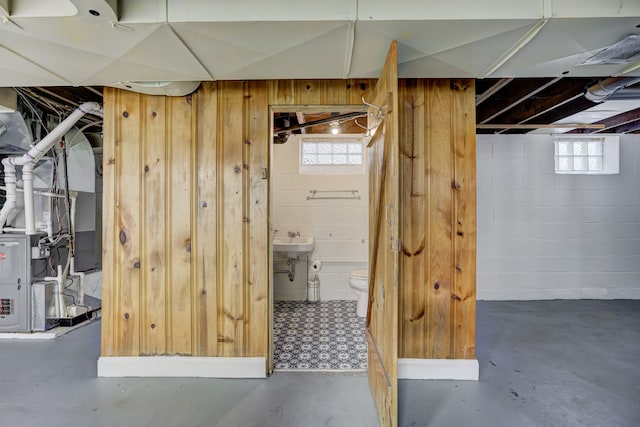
(339, 227)
(548, 236)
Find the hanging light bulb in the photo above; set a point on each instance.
(335, 127)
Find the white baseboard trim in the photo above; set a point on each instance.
(438, 369)
(524, 294)
(181, 366)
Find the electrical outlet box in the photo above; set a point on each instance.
(40, 253)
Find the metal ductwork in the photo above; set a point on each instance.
(613, 88)
(165, 88)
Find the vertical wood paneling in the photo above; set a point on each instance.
(110, 179)
(128, 224)
(440, 205)
(319, 92)
(257, 143)
(231, 219)
(154, 259)
(308, 92)
(190, 179)
(281, 92)
(358, 88)
(205, 236)
(464, 295)
(413, 331)
(438, 199)
(333, 93)
(384, 226)
(179, 224)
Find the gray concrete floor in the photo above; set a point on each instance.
(558, 363)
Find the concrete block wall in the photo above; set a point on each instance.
(548, 236)
(339, 227)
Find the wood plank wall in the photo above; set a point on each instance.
(185, 262)
(438, 203)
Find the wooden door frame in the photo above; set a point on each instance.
(283, 108)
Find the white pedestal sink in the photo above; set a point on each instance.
(293, 246)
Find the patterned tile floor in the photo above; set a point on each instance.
(326, 335)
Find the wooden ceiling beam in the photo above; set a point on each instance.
(513, 95)
(630, 127)
(579, 103)
(553, 97)
(541, 126)
(492, 90)
(614, 121)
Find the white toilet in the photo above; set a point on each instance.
(359, 283)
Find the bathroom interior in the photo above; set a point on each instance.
(319, 217)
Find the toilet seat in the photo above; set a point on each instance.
(359, 283)
(360, 274)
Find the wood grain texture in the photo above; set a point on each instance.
(129, 225)
(384, 274)
(413, 303)
(464, 250)
(179, 223)
(205, 236)
(152, 264)
(257, 144)
(185, 186)
(437, 319)
(109, 232)
(172, 179)
(230, 223)
(440, 205)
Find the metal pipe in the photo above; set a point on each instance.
(341, 117)
(29, 213)
(605, 89)
(631, 94)
(69, 203)
(81, 275)
(291, 262)
(37, 192)
(35, 153)
(10, 182)
(60, 306)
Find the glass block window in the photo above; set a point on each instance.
(586, 155)
(331, 153)
(328, 154)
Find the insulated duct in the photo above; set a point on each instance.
(30, 158)
(612, 89)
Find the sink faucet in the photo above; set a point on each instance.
(293, 234)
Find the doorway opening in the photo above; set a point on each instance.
(319, 237)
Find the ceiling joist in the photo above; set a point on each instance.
(513, 95)
(542, 126)
(613, 122)
(492, 90)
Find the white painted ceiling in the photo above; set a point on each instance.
(59, 42)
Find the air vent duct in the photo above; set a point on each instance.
(623, 51)
(159, 87)
(611, 88)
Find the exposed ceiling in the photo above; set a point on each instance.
(553, 105)
(526, 54)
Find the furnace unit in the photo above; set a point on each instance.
(18, 270)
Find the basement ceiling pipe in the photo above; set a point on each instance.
(32, 157)
(612, 88)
